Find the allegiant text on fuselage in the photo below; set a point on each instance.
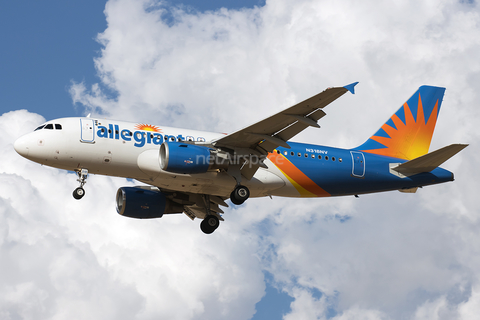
(140, 137)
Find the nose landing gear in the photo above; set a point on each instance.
(79, 192)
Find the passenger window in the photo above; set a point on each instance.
(320, 157)
(313, 156)
(58, 126)
(326, 157)
(278, 151)
(333, 158)
(39, 128)
(49, 126)
(339, 159)
(299, 154)
(306, 155)
(292, 153)
(285, 152)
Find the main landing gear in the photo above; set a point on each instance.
(82, 179)
(209, 224)
(239, 195)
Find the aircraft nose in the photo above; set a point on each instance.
(21, 146)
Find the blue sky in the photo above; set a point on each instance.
(47, 44)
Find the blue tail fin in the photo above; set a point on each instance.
(408, 133)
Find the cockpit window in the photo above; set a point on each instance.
(50, 126)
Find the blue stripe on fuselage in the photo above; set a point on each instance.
(335, 175)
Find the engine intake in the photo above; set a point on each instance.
(140, 203)
(179, 157)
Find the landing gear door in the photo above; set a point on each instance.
(87, 129)
(358, 164)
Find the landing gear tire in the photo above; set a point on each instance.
(78, 193)
(239, 195)
(82, 179)
(209, 224)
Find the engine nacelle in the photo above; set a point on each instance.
(142, 203)
(180, 157)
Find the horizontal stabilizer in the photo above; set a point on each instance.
(429, 161)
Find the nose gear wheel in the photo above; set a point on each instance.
(79, 192)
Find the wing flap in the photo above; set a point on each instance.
(199, 212)
(197, 205)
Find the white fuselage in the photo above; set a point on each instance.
(131, 150)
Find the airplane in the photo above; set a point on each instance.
(195, 172)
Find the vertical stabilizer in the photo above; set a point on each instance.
(408, 133)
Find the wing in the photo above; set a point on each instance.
(272, 132)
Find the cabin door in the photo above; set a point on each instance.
(87, 128)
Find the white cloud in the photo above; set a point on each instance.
(471, 308)
(306, 307)
(384, 256)
(61, 256)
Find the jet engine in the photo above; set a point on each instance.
(179, 157)
(141, 203)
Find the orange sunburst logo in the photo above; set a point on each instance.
(408, 140)
(147, 127)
